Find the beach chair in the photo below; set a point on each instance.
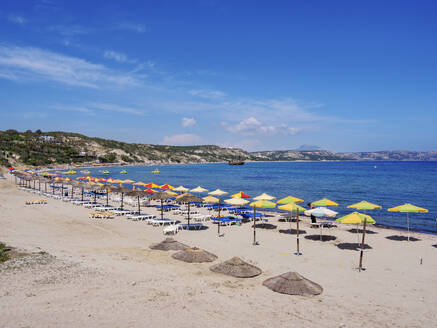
(171, 229)
(314, 223)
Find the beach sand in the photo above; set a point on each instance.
(101, 273)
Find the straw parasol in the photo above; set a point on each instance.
(169, 244)
(264, 196)
(260, 204)
(188, 198)
(181, 188)
(356, 217)
(161, 195)
(218, 192)
(236, 201)
(293, 207)
(122, 190)
(199, 189)
(194, 255)
(408, 208)
(236, 267)
(136, 193)
(292, 283)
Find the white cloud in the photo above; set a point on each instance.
(70, 30)
(39, 64)
(139, 28)
(183, 140)
(251, 126)
(91, 109)
(208, 94)
(187, 122)
(17, 19)
(117, 108)
(117, 56)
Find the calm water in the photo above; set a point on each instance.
(388, 184)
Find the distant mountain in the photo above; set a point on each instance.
(295, 155)
(400, 155)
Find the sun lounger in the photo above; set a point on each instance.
(141, 217)
(161, 222)
(122, 212)
(101, 215)
(172, 228)
(36, 202)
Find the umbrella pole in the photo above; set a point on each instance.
(218, 222)
(297, 233)
(408, 225)
(362, 245)
(188, 215)
(122, 195)
(162, 209)
(139, 209)
(82, 194)
(107, 197)
(254, 225)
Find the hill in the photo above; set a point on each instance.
(48, 148)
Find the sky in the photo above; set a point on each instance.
(258, 75)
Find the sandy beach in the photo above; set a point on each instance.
(101, 273)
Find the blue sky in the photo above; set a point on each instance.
(260, 75)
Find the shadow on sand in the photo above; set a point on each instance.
(402, 238)
(317, 237)
(292, 231)
(370, 232)
(352, 246)
(266, 226)
(434, 245)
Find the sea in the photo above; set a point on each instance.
(387, 184)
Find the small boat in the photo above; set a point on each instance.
(123, 172)
(85, 172)
(156, 171)
(71, 172)
(234, 162)
(105, 172)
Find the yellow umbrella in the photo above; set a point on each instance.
(127, 181)
(139, 183)
(289, 199)
(240, 195)
(293, 207)
(218, 192)
(364, 205)
(151, 185)
(171, 193)
(260, 204)
(356, 217)
(408, 208)
(199, 189)
(324, 202)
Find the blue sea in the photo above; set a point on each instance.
(385, 183)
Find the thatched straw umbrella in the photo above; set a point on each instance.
(187, 198)
(138, 194)
(161, 195)
(122, 190)
(292, 283)
(194, 255)
(169, 244)
(236, 267)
